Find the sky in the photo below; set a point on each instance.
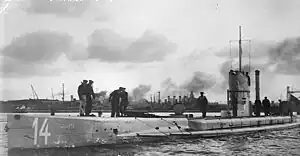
(171, 46)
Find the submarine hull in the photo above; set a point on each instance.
(38, 131)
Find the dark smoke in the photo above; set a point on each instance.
(199, 82)
(286, 56)
(139, 92)
(257, 49)
(227, 66)
(282, 58)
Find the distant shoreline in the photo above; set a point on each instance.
(108, 111)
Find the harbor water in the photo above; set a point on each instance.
(277, 143)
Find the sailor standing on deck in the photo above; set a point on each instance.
(203, 102)
(280, 107)
(114, 99)
(257, 104)
(89, 95)
(82, 97)
(266, 103)
(124, 101)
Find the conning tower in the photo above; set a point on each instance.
(238, 94)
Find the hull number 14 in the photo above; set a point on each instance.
(42, 132)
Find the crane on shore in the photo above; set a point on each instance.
(34, 93)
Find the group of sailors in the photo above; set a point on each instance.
(266, 105)
(86, 94)
(118, 99)
(119, 102)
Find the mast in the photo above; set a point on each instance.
(52, 93)
(63, 92)
(240, 48)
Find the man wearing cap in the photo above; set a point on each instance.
(124, 101)
(114, 99)
(266, 104)
(82, 96)
(203, 102)
(89, 95)
(280, 107)
(257, 105)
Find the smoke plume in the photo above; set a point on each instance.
(168, 87)
(139, 92)
(271, 59)
(231, 64)
(199, 82)
(285, 56)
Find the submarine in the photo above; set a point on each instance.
(29, 131)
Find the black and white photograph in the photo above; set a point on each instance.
(149, 78)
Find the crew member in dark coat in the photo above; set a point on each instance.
(248, 77)
(203, 102)
(266, 103)
(257, 104)
(280, 107)
(114, 99)
(89, 95)
(124, 102)
(82, 97)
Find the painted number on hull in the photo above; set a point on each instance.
(43, 132)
